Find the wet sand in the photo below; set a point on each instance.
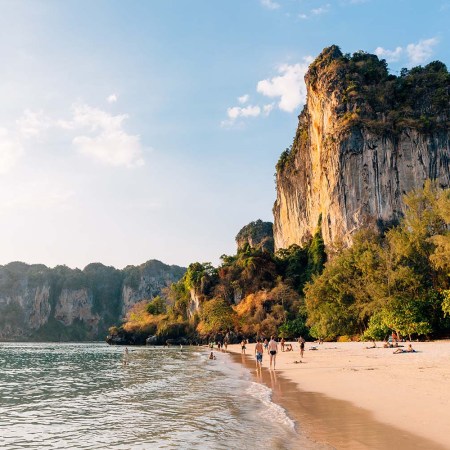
(336, 420)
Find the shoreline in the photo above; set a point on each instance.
(347, 396)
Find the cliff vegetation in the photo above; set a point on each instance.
(369, 96)
(393, 281)
(254, 292)
(397, 281)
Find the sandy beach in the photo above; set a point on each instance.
(348, 396)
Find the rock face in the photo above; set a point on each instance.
(257, 235)
(75, 305)
(364, 139)
(39, 303)
(147, 281)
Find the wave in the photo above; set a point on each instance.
(271, 409)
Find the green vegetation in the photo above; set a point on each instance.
(254, 292)
(257, 234)
(417, 98)
(397, 281)
(394, 281)
(156, 306)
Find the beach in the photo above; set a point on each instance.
(348, 396)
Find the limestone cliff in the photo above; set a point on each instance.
(258, 235)
(364, 139)
(147, 281)
(39, 303)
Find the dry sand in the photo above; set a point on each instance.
(404, 396)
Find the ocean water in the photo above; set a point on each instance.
(82, 396)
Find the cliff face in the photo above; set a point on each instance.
(258, 235)
(147, 281)
(38, 303)
(364, 139)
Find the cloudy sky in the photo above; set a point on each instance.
(150, 129)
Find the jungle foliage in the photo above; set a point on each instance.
(254, 292)
(397, 280)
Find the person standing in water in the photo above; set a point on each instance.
(273, 348)
(125, 357)
(259, 350)
(243, 346)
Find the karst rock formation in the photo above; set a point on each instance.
(365, 138)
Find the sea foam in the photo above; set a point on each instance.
(274, 411)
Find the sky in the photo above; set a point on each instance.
(150, 129)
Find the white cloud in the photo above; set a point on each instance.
(33, 123)
(289, 86)
(321, 10)
(98, 134)
(115, 148)
(243, 99)
(270, 4)
(236, 112)
(10, 151)
(106, 140)
(94, 118)
(421, 52)
(247, 111)
(389, 55)
(111, 98)
(315, 12)
(267, 109)
(416, 53)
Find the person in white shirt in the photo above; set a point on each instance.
(273, 348)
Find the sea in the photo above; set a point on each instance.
(84, 396)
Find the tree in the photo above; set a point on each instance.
(293, 328)
(446, 303)
(316, 252)
(156, 306)
(216, 315)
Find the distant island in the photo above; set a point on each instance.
(38, 303)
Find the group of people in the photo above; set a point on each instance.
(285, 347)
(395, 345)
(272, 348)
(220, 345)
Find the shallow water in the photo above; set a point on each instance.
(82, 396)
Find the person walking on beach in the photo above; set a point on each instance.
(273, 348)
(266, 345)
(282, 344)
(302, 346)
(259, 350)
(243, 346)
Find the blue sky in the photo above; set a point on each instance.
(150, 129)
